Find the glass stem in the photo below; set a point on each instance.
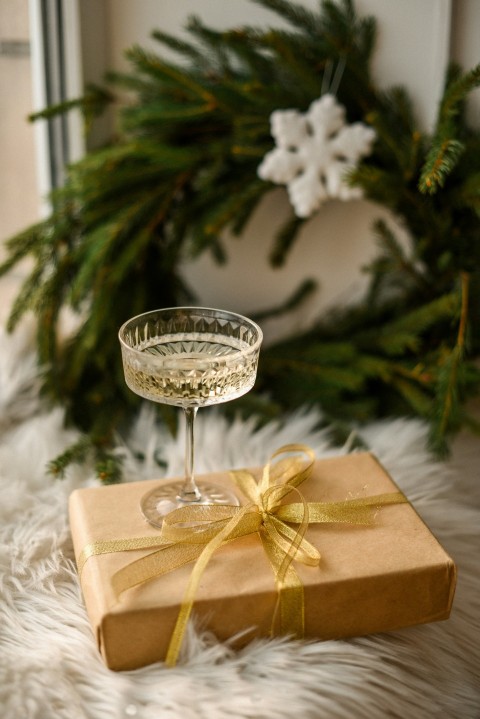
(190, 491)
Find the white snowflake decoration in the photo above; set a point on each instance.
(313, 153)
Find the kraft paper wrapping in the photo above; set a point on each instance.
(375, 578)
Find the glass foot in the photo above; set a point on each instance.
(166, 497)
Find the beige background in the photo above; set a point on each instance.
(19, 199)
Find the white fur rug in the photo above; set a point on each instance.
(49, 665)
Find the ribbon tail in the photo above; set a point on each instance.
(290, 594)
(292, 605)
(225, 535)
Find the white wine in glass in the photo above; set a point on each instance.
(189, 357)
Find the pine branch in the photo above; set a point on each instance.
(284, 240)
(302, 80)
(455, 94)
(26, 299)
(296, 15)
(76, 453)
(441, 160)
(109, 467)
(151, 65)
(469, 193)
(446, 147)
(394, 125)
(180, 46)
(451, 379)
(404, 334)
(306, 289)
(257, 68)
(244, 213)
(309, 368)
(21, 246)
(392, 270)
(217, 52)
(379, 184)
(224, 212)
(349, 35)
(419, 401)
(92, 104)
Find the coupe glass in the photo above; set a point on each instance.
(189, 357)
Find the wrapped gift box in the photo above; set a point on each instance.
(375, 578)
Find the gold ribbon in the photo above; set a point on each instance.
(195, 532)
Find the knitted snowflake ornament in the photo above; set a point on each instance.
(313, 153)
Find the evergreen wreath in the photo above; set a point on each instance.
(130, 212)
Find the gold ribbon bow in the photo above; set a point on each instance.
(195, 532)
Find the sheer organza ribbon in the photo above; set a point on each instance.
(193, 534)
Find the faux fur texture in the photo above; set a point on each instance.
(49, 665)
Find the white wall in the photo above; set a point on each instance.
(416, 38)
(19, 199)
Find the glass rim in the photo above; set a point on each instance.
(235, 315)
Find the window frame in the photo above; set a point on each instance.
(57, 76)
